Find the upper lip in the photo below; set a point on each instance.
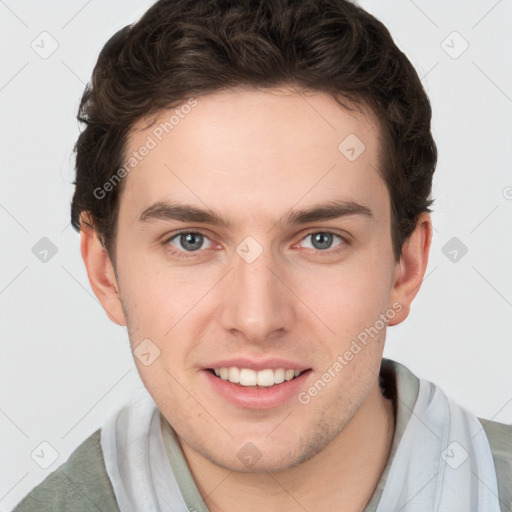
(258, 364)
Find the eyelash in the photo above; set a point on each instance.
(193, 254)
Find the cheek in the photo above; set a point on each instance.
(346, 297)
(153, 292)
(167, 306)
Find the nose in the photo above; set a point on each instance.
(258, 305)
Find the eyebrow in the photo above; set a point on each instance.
(187, 213)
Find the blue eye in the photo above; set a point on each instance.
(189, 244)
(322, 240)
(189, 241)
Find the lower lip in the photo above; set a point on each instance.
(257, 398)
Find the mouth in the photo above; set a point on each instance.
(261, 379)
(257, 383)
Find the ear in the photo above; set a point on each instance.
(411, 268)
(100, 271)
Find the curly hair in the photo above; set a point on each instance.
(184, 48)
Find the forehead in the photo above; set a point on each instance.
(246, 146)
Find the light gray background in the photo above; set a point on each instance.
(65, 367)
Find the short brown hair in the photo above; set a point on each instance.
(184, 48)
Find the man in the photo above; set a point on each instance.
(252, 194)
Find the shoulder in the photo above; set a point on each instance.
(80, 484)
(499, 436)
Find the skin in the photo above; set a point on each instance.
(252, 156)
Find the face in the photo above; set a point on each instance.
(255, 285)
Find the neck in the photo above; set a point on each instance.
(346, 471)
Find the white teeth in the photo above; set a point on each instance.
(279, 376)
(247, 377)
(289, 374)
(234, 374)
(266, 378)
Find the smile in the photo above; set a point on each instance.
(251, 378)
